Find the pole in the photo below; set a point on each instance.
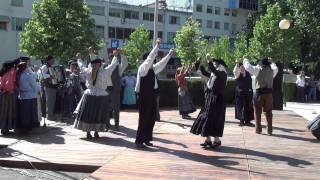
(155, 32)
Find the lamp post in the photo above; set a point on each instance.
(284, 24)
(155, 23)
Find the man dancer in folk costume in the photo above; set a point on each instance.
(92, 111)
(147, 87)
(265, 71)
(116, 86)
(211, 119)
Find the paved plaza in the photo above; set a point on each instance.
(291, 153)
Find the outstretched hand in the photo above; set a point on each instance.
(158, 42)
(211, 66)
(172, 51)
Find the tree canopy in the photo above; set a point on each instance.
(60, 28)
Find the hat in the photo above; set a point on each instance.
(72, 62)
(265, 61)
(22, 64)
(49, 57)
(220, 61)
(24, 58)
(98, 60)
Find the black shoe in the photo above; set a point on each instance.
(249, 124)
(184, 117)
(117, 128)
(206, 143)
(269, 133)
(140, 145)
(89, 136)
(241, 124)
(148, 144)
(96, 135)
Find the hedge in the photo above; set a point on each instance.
(169, 92)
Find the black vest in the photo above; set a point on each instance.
(244, 83)
(147, 83)
(116, 79)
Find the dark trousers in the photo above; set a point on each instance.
(263, 102)
(244, 106)
(115, 106)
(300, 94)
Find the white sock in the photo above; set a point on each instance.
(208, 139)
(216, 139)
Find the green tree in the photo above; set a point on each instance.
(240, 46)
(59, 27)
(138, 44)
(188, 42)
(270, 41)
(221, 50)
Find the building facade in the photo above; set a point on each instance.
(115, 21)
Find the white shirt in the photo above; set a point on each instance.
(122, 66)
(99, 89)
(300, 82)
(148, 63)
(254, 70)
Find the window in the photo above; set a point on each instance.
(217, 25)
(119, 33)
(226, 11)
(112, 32)
(234, 13)
(17, 3)
(160, 18)
(200, 22)
(160, 34)
(170, 37)
(100, 32)
(148, 16)
(226, 26)
(209, 24)
(3, 25)
(127, 32)
(217, 10)
(249, 4)
(131, 14)
(199, 8)
(174, 20)
(209, 9)
(234, 28)
(114, 12)
(18, 24)
(97, 10)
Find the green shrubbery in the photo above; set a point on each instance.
(169, 92)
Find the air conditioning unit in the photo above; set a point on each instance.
(123, 20)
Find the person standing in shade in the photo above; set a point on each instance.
(184, 100)
(28, 90)
(92, 112)
(147, 87)
(264, 72)
(243, 97)
(116, 86)
(301, 82)
(211, 119)
(312, 92)
(50, 86)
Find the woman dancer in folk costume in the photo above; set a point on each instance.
(92, 111)
(210, 121)
(184, 100)
(147, 87)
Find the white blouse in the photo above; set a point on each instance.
(148, 63)
(99, 89)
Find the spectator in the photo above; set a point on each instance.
(312, 91)
(300, 93)
(129, 83)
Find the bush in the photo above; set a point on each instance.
(169, 92)
(289, 90)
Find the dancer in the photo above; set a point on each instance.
(116, 86)
(210, 121)
(243, 97)
(265, 71)
(92, 111)
(146, 87)
(184, 100)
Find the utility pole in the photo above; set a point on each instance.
(155, 30)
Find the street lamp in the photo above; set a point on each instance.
(284, 24)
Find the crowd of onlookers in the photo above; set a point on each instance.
(29, 92)
(308, 88)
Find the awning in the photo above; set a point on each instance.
(4, 18)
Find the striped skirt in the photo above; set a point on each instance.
(93, 113)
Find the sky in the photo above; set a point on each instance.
(176, 3)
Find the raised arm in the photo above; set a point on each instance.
(158, 67)
(44, 72)
(124, 64)
(112, 66)
(236, 72)
(147, 64)
(253, 70)
(274, 69)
